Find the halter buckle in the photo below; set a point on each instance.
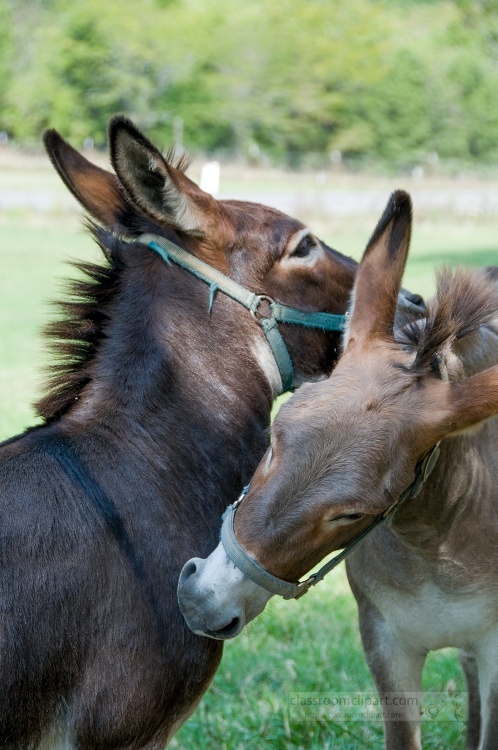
(242, 495)
(255, 311)
(304, 586)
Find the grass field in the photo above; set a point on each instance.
(310, 646)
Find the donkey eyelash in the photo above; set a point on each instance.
(304, 248)
(346, 518)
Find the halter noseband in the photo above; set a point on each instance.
(253, 570)
(277, 313)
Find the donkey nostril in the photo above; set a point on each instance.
(230, 628)
(189, 569)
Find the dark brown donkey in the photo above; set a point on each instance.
(344, 451)
(155, 417)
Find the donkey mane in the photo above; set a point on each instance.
(76, 336)
(464, 301)
(179, 160)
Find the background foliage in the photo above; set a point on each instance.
(389, 82)
(386, 81)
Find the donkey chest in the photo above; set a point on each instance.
(430, 618)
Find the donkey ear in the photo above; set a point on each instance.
(97, 190)
(154, 184)
(470, 401)
(378, 280)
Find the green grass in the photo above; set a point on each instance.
(294, 647)
(309, 646)
(32, 254)
(433, 245)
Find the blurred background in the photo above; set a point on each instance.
(318, 107)
(392, 84)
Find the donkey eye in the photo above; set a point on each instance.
(304, 248)
(346, 518)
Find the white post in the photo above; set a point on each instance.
(210, 177)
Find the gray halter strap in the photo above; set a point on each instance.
(253, 570)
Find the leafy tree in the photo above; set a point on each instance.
(5, 53)
(385, 80)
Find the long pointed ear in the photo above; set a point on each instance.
(378, 280)
(97, 190)
(154, 184)
(470, 401)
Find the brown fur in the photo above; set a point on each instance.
(155, 415)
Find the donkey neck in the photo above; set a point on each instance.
(456, 513)
(176, 384)
(460, 495)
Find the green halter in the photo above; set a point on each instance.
(277, 313)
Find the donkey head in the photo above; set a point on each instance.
(344, 450)
(259, 247)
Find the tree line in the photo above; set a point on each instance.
(388, 81)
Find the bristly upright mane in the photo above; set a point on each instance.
(464, 301)
(76, 336)
(180, 160)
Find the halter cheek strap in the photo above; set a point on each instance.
(248, 564)
(253, 570)
(269, 321)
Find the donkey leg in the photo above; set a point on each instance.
(397, 671)
(489, 699)
(487, 664)
(469, 665)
